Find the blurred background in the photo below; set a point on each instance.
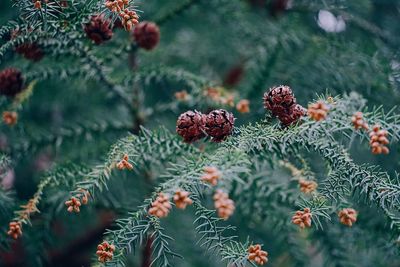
(241, 47)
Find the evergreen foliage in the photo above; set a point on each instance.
(89, 146)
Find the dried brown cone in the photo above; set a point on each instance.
(10, 117)
(378, 140)
(279, 100)
(129, 18)
(358, 121)
(11, 82)
(147, 35)
(348, 216)
(318, 111)
(105, 251)
(211, 175)
(257, 255)
(191, 126)
(181, 199)
(302, 218)
(224, 205)
(243, 106)
(219, 124)
(98, 29)
(161, 206)
(31, 51)
(15, 230)
(307, 186)
(73, 205)
(295, 113)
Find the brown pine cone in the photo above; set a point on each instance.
(294, 115)
(279, 100)
(191, 126)
(31, 51)
(147, 35)
(98, 29)
(219, 124)
(11, 82)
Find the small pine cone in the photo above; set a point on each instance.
(73, 205)
(234, 75)
(64, 3)
(98, 29)
(213, 93)
(85, 196)
(302, 218)
(318, 111)
(191, 126)
(224, 205)
(147, 35)
(378, 140)
(37, 4)
(228, 100)
(358, 121)
(10, 117)
(124, 163)
(243, 106)
(129, 18)
(211, 175)
(181, 199)
(31, 51)
(279, 100)
(348, 216)
(116, 5)
(11, 82)
(307, 186)
(15, 230)
(105, 251)
(161, 206)
(257, 255)
(295, 113)
(182, 95)
(219, 124)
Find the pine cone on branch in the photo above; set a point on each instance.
(31, 51)
(147, 35)
(191, 126)
(98, 29)
(219, 124)
(11, 82)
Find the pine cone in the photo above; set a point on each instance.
(294, 114)
(30, 51)
(147, 35)
(11, 82)
(98, 29)
(348, 216)
(191, 126)
(219, 124)
(279, 100)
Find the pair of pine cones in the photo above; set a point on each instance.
(194, 125)
(146, 34)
